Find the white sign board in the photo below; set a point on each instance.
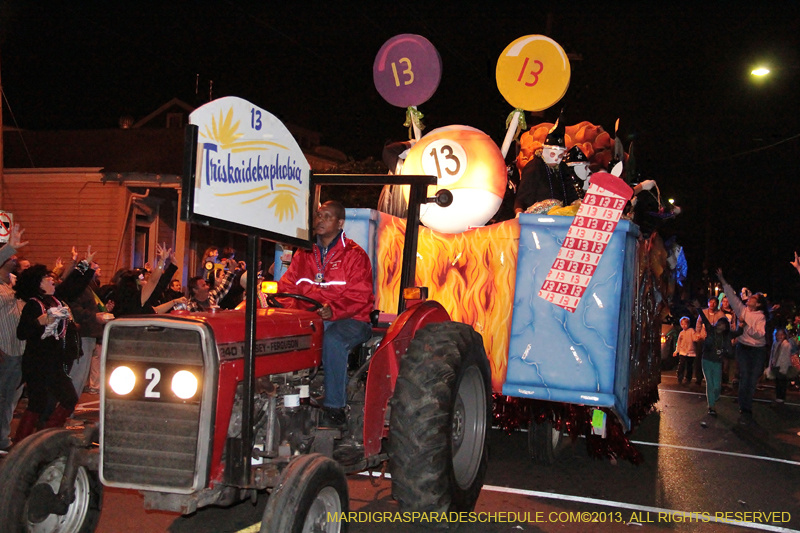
(250, 170)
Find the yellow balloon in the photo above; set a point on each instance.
(533, 73)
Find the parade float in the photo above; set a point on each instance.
(570, 308)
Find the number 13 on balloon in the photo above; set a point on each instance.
(533, 73)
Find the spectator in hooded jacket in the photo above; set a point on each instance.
(712, 315)
(716, 348)
(751, 346)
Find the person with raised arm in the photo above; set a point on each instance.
(751, 346)
(52, 342)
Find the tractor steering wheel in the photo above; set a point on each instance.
(273, 302)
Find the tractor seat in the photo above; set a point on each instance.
(381, 321)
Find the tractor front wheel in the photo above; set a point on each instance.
(311, 492)
(29, 484)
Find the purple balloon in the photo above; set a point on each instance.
(407, 70)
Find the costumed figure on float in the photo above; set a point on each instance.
(578, 168)
(546, 181)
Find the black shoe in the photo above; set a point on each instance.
(712, 412)
(332, 419)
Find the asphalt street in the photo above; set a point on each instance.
(699, 474)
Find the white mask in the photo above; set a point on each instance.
(582, 171)
(553, 155)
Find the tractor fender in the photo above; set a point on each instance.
(385, 365)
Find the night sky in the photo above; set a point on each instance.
(677, 76)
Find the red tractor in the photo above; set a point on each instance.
(213, 408)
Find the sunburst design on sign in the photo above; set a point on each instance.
(283, 199)
(284, 204)
(227, 135)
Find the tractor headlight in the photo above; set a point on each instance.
(122, 380)
(184, 384)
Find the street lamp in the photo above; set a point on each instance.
(763, 71)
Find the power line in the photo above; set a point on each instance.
(260, 20)
(739, 154)
(754, 150)
(16, 124)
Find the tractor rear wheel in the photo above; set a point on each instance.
(440, 415)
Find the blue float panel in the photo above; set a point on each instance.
(582, 357)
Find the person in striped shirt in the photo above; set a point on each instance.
(11, 348)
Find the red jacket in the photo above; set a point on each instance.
(347, 279)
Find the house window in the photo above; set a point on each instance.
(141, 245)
(174, 120)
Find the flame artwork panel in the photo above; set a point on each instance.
(472, 274)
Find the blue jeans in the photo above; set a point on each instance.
(80, 368)
(751, 361)
(10, 377)
(341, 336)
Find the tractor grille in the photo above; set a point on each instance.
(155, 344)
(147, 443)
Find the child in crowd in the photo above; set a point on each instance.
(716, 348)
(685, 351)
(779, 362)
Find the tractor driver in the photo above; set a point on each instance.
(337, 273)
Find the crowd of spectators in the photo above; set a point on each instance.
(738, 343)
(52, 320)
